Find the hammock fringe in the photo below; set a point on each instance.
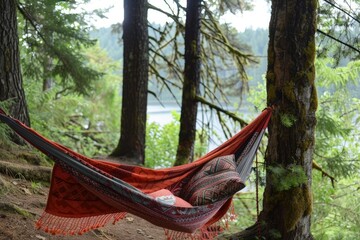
(75, 226)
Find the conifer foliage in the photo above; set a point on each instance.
(54, 33)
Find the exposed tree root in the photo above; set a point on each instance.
(12, 208)
(29, 172)
(253, 232)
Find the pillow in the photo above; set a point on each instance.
(166, 197)
(215, 181)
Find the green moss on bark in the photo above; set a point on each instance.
(298, 202)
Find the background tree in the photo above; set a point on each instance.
(135, 82)
(11, 85)
(54, 34)
(222, 58)
(88, 123)
(191, 85)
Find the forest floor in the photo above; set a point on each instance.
(22, 200)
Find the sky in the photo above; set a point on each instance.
(258, 18)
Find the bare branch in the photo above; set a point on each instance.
(338, 40)
(217, 108)
(342, 10)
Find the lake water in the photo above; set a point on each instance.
(163, 115)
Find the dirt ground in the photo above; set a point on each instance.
(24, 186)
(22, 203)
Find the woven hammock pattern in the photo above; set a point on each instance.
(87, 193)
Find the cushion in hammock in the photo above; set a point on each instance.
(165, 196)
(215, 181)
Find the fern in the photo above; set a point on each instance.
(339, 77)
(286, 178)
(288, 120)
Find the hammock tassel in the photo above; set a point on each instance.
(75, 226)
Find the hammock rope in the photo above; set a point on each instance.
(257, 194)
(86, 193)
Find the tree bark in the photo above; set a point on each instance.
(47, 68)
(47, 64)
(11, 85)
(187, 135)
(290, 87)
(135, 80)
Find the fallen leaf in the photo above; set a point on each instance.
(129, 219)
(40, 237)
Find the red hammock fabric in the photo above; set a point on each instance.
(77, 203)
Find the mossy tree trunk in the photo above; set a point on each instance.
(187, 135)
(135, 81)
(11, 85)
(290, 78)
(290, 85)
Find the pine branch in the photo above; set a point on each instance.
(338, 40)
(342, 10)
(31, 20)
(323, 172)
(72, 64)
(165, 82)
(156, 97)
(225, 42)
(172, 16)
(224, 126)
(219, 109)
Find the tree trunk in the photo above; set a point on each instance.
(187, 135)
(47, 68)
(135, 80)
(290, 78)
(47, 63)
(290, 85)
(11, 87)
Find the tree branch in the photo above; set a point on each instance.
(217, 108)
(323, 172)
(338, 40)
(342, 10)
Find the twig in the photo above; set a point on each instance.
(217, 108)
(317, 167)
(338, 40)
(342, 10)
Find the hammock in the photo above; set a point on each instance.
(86, 194)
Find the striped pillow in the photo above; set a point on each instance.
(215, 181)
